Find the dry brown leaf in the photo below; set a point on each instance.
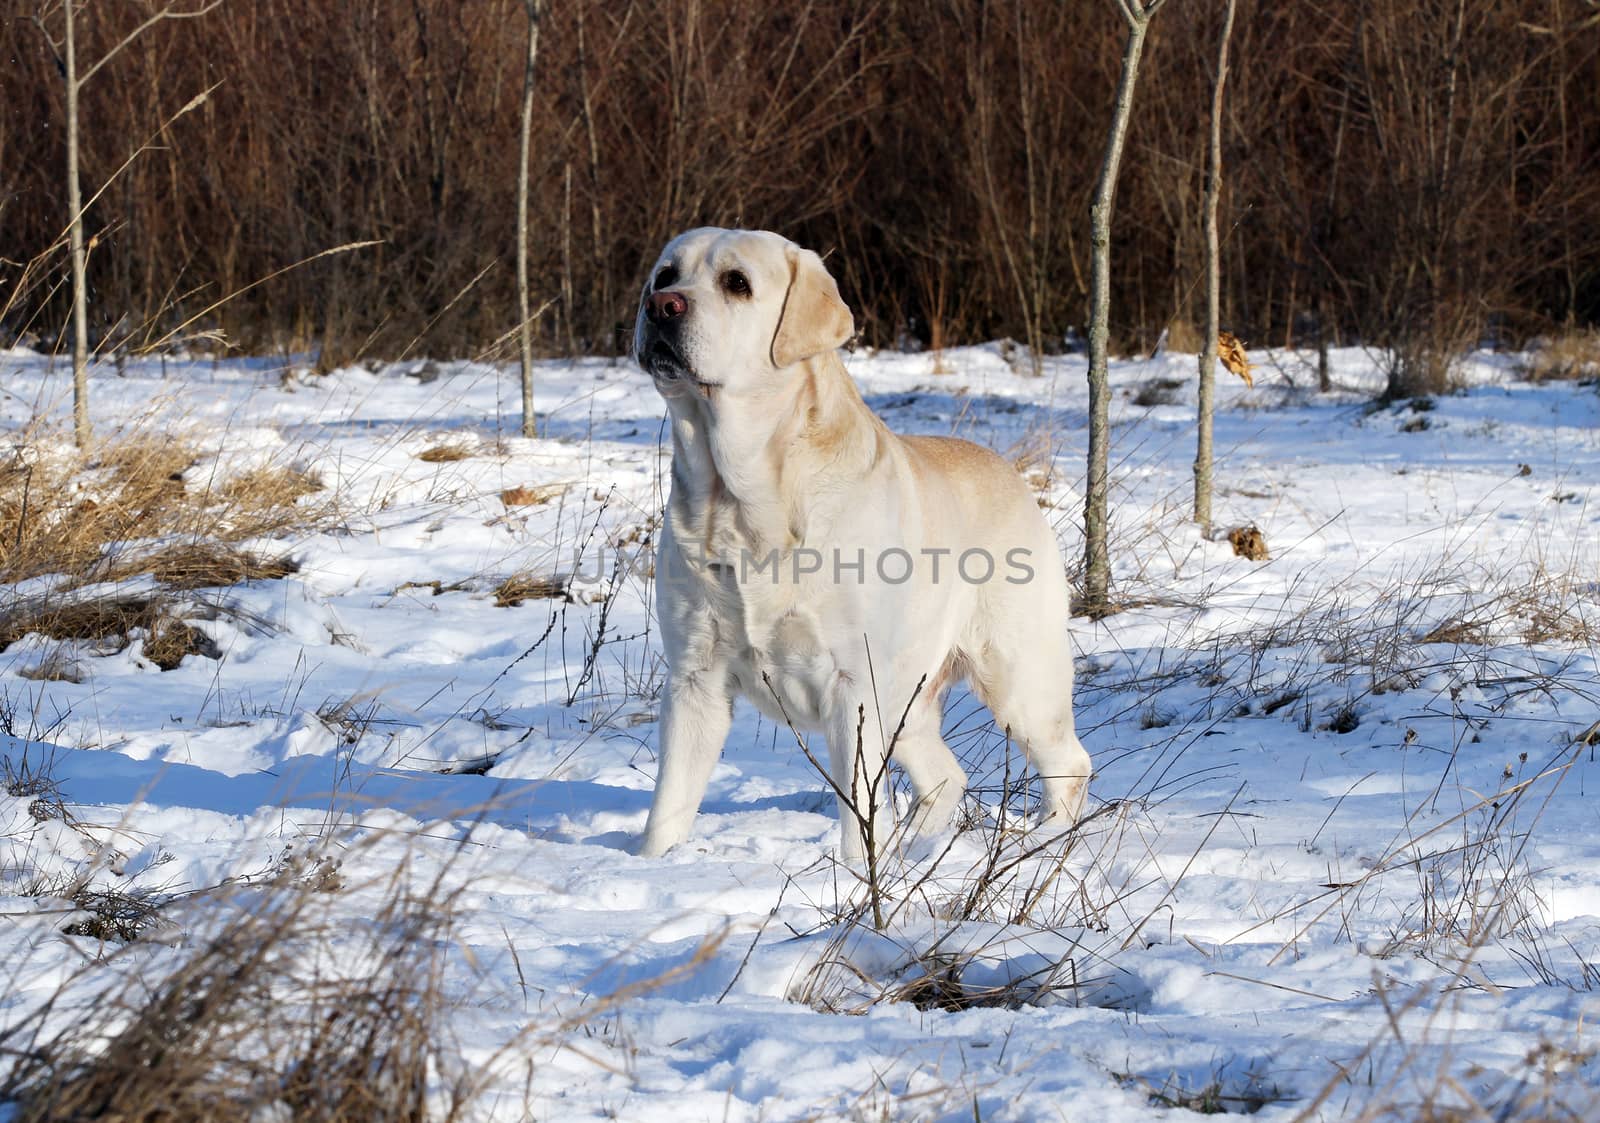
(530, 495)
(1231, 352)
(1249, 543)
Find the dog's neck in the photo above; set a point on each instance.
(749, 448)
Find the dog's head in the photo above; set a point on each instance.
(734, 308)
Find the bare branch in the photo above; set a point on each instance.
(163, 14)
(55, 48)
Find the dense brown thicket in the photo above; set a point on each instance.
(1410, 173)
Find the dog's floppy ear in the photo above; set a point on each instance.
(815, 318)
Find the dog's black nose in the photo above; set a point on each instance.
(664, 306)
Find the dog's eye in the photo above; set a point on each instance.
(736, 283)
(667, 277)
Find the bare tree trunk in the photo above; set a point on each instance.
(1559, 22)
(1208, 354)
(530, 421)
(80, 288)
(1097, 566)
(1033, 294)
(1324, 373)
(567, 313)
(67, 58)
(600, 287)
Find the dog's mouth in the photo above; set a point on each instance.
(662, 360)
(666, 364)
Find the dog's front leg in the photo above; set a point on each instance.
(858, 760)
(694, 724)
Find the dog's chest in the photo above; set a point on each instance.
(777, 647)
(765, 620)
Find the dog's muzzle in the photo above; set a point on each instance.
(659, 355)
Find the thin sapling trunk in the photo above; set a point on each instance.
(1097, 567)
(1208, 353)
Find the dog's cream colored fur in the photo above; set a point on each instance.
(774, 450)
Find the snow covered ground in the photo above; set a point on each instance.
(1343, 859)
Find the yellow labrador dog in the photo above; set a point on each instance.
(837, 575)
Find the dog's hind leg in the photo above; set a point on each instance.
(1028, 687)
(694, 724)
(936, 776)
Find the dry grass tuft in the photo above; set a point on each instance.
(529, 586)
(531, 495)
(1547, 618)
(285, 1001)
(145, 466)
(123, 511)
(168, 641)
(103, 912)
(1469, 633)
(1567, 357)
(111, 917)
(444, 454)
(1538, 606)
(250, 1026)
(59, 513)
(1223, 1093)
(292, 993)
(270, 487)
(203, 566)
(56, 665)
(108, 624)
(73, 514)
(93, 621)
(1001, 916)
